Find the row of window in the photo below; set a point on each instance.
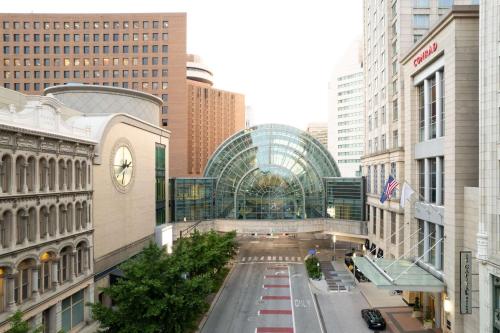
(67, 49)
(84, 61)
(393, 231)
(372, 178)
(16, 25)
(431, 243)
(84, 37)
(76, 74)
(133, 85)
(383, 143)
(434, 191)
(431, 122)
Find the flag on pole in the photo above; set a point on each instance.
(390, 186)
(406, 193)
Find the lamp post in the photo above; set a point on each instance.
(354, 266)
(334, 247)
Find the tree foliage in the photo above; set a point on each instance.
(18, 325)
(167, 293)
(313, 269)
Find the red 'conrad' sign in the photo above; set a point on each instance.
(425, 54)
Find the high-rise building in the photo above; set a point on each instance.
(213, 115)
(488, 236)
(346, 111)
(145, 52)
(319, 131)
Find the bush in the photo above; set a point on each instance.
(313, 269)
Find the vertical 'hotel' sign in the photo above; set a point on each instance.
(465, 282)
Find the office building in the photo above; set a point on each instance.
(145, 52)
(346, 111)
(213, 116)
(319, 131)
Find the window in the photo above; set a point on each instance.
(164, 48)
(382, 177)
(72, 311)
(395, 139)
(160, 184)
(375, 179)
(383, 145)
(395, 115)
(433, 108)
(394, 175)
(445, 3)
(368, 180)
(420, 238)
(421, 178)
(374, 220)
(421, 21)
(442, 181)
(381, 224)
(421, 112)
(433, 179)
(417, 37)
(421, 3)
(375, 119)
(370, 122)
(442, 104)
(382, 114)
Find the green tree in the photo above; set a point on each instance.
(166, 293)
(18, 325)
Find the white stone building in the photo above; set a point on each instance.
(346, 111)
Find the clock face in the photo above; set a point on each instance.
(123, 166)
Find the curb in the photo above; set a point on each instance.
(216, 299)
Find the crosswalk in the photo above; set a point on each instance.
(270, 259)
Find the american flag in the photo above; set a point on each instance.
(390, 186)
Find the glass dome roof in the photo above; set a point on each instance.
(270, 172)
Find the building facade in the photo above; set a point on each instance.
(346, 112)
(441, 102)
(489, 125)
(46, 225)
(213, 116)
(145, 52)
(319, 131)
(391, 28)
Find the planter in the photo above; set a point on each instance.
(428, 324)
(416, 314)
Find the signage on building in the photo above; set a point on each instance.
(465, 282)
(425, 54)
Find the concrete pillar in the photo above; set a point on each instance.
(58, 317)
(25, 226)
(46, 173)
(439, 247)
(36, 177)
(23, 170)
(34, 283)
(55, 274)
(72, 266)
(13, 174)
(439, 94)
(2, 173)
(56, 176)
(13, 231)
(439, 169)
(427, 109)
(427, 180)
(11, 303)
(426, 241)
(88, 297)
(65, 175)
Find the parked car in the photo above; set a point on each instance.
(373, 318)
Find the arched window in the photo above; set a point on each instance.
(69, 175)
(21, 225)
(31, 174)
(3, 300)
(20, 174)
(62, 174)
(69, 218)
(65, 264)
(43, 166)
(62, 218)
(32, 223)
(52, 174)
(85, 214)
(81, 250)
(6, 229)
(44, 222)
(45, 274)
(23, 281)
(78, 216)
(6, 173)
(78, 177)
(52, 220)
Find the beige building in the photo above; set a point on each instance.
(391, 28)
(213, 116)
(145, 52)
(488, 233)
(319, 131)
(46, 223)
(441, 160)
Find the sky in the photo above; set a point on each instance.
(279, 54)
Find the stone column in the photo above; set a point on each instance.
(427, 180)
(35, 271)
(85, 260)
(55, 276)
(439, 169)
(427, 109)
(23, 170)
(2, 173)
(36, 177)
(439, 247)
(25, 226)
(56, 176)
(64, 177)
(13, 175)
(13, 231)
(46, 174)
(11, 303)
(72, 266)
(439, 95)
(426, 241)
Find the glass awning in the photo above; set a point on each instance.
(398, 275)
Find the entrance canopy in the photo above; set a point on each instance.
(400, 274)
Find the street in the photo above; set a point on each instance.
(269, 291)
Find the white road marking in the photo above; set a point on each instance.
(291, 299)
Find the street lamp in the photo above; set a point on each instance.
(334, 246)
